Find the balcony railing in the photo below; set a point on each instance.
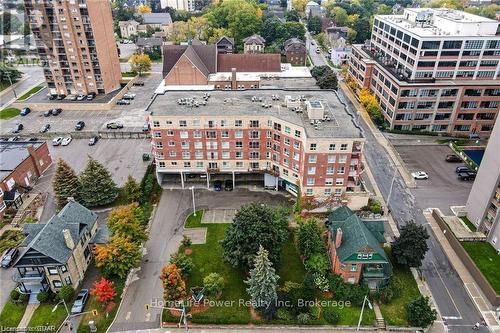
(32, 276)
(373, 272)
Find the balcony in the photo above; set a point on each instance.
(28, 276)
(373, 271)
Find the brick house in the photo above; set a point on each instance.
(225, 45)
(58, 252)
(295, 51)
(22, 163)
(355, 250)
(254, 44)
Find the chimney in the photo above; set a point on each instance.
(233, 79)
(338, 238)
(69, 240)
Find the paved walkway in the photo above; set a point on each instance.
(470, 284)
(30, 309)
(382, 140)
(218, 215)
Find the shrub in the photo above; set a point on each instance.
(186, 241)
(321, 282)
(391, 291)
(42, 296)
(284, 314)
(24, 298)
(213, 283)
(303, 318)
(315, 311)
(317, 264)
(66, 293)
(309, 240)
(183, 262)
(356, 293)
(14, 295)
(289, 286)
(331, 316)
(420, 313)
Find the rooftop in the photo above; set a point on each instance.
(428, 22)
(240, 102)
(157, 18)
(14, 153)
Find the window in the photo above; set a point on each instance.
(238, 144)
(328, 181)
(198, 155)
(339, 181)
(286, 141)
(330, 170)
(199, 165)
(52, 270)
(157, 134)
(341, 170)
(338, 191)
(196, 123)
(211, 135)
(297, 134)
(342, 158)
(226, 155)
(186, 155)
(185, 144)
(343, 146)
(238, 134)
(161, 164)
(223, 123)
(187, 164)
(311, 171)
(67, 280)
(198, 145)
(156, 123)
(159, 144)
(328, 191)
(182, 123)
(171, 153)
(225, 144)
(57, 284)
(353, 268)
(197, 134)
(296, 145)
(238, 154)
(309, 191)
(313, 158)
(184, 134)
(254, 123)
(312, 146)
(331, 146)
(225, 134)
(287, 130)
(331, 158)
(238, 123)
(310, 181)
(170, 133)
(239, 164)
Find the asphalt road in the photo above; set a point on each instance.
(455, 305)
(34, 76)
(317, 59)
(164, 239)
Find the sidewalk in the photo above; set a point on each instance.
(30, 309)
(475, 294)
(382, 140)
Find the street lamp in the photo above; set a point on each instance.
(194, 206)
(10, 80)
(392, 186)
(65, 307)
(365, 300)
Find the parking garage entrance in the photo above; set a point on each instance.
(208, 180)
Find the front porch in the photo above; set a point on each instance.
(376, 275)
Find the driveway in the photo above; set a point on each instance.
(165, 237)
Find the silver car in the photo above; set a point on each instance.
(80, 301)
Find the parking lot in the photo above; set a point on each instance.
(131, 116)
(443, 188)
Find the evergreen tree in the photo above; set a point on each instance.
(410, 247)
(66, 184)
(132, 190)
(262, 283)
(98, 188)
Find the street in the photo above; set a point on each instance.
(34, 76)
(318, 59)
(455, 305)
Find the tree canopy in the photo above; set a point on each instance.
(410, 247)
(97, 186)
(66, 184)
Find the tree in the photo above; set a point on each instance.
(255, 225)
(174, 286)
(363, 29)
(339, 15)
(213, 284)
(328, 81)
(66, 293)
(317, 263)
(314, 24)
(410, 247)
(294, 29)
(140, 63)
(9, 74)
(66, 184)
(183, 262)
(9, 23)
(420, 313)
(262, 282)
(118, 256)
(292, 16)
(97, 186)
(124, 221)
(309, 239)
(103, 290)
(143, 9)
(299, 5)
(132, 190)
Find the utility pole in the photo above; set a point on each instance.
(194, 206)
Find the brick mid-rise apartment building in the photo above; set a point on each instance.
(22, 163)
(291, 140)
(433, 70)
(76, 45)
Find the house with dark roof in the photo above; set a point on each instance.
(58, 252)
(254, 44)
(225, 45)
(355, 250)
(21, 164)
(295, 51)
(148, 44)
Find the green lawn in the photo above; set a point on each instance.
(487, 260)
(12, 314)
(394, 313)
(8, 113)
(31, 92)
(4, 85)
(469, 224)
(10, 238)
(43, 316)
(194, 221)
(102, 321)
(128, 74)
(291, 268)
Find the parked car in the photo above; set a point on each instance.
(9, 257)
(217, 186)
(14, 138)
(228, 185)
(452, 158)
(469, 175)
(52, 97)
(45, 128)
(79, 125)
(25, 111)
(139, 83)
(318, 51)
(420, 175)
(61, 97)
(80, 301)
(47, 113)
(57, 141)
(17, 128)
(128, 96)
(123, 102)
(66, 141)
(56, 112)
(114, 125)
(80, 97)
(91, 96)
(93, 140)
(72, 97)
(462, 168)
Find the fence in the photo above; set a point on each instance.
(478, 276)
(123, 135)
(459, 151)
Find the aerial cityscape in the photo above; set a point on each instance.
(250, 166)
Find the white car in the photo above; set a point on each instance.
(57, 141)
(66, 141)
(420, 175)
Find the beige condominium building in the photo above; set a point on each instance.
(290, 140)
(76, 45)
(483, 205)
(433, 70)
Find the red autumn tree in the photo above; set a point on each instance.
(173, 285)
(103, 290)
